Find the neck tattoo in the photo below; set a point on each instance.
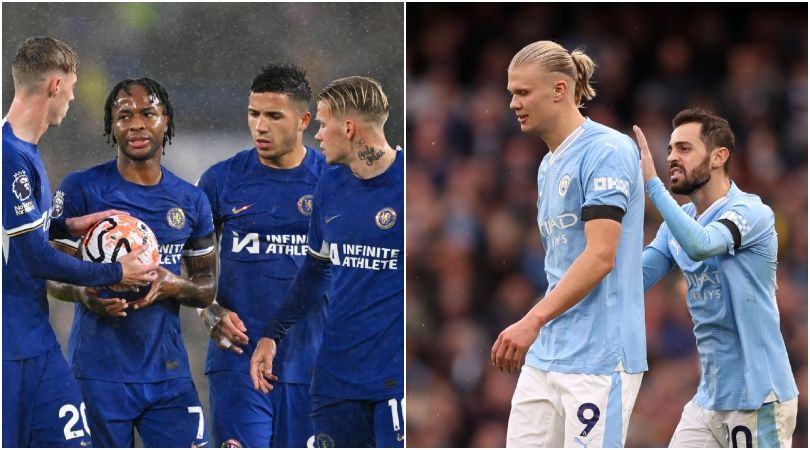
(369, 155)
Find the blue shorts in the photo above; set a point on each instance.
(166, 413)
(245, 417)
(357, 423)
(42, 404)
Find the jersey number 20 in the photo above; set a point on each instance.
(75, 415)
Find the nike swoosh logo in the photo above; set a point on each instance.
(236, 210)
(329, 219)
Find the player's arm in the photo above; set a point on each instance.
(656, 259)
(308, 292)
(655, 266)
(43, 261)
(697, 241)
(224, 326)
(588, 269)
(199, 289)
(24, 225)
(88, 296)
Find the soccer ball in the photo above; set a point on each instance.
(113, 237)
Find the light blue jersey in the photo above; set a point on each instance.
(593, 174)
(731, 296)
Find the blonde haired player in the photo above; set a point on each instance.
(356, 239)
(42, 404)
(585, 339)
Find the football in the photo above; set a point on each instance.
(114, 237)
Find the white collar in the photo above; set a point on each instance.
(566, 143)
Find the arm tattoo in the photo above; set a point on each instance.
(200, 288)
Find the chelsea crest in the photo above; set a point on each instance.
(386, 218)
(176, 218)
(305, 205)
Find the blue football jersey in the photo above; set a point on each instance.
(732, 300)
(28, 259)
(263, 216)
(359, 226)
(145, 346)
(594, 167)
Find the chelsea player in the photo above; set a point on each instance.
(261, 200)
(583, 372)
(725, 244)
(355, 255)
(42, 404)
(129, 358)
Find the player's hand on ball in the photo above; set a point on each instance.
(77, 226)
(137, 273)
(647, 164)
(112, 307)
(509, 350)
(261, 365)
(165, 285)
(225, 328)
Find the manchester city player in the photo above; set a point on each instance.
(582, 373)
(725, 244)
(129, 358)
(261, 199)
(42, 404)
(355, 255)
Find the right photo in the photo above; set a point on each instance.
(606, 225)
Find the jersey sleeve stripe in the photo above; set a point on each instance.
(317, 256)
(26, 228)
(68, 242)
(323, 254)
(197, 252)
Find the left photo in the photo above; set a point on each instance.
(203, 225)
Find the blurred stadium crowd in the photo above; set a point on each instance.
(475, 260)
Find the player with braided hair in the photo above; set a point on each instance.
(129, 357)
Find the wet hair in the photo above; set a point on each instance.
(154, 88)
(552, 57)
(715, 132)
(357, 94)
(40, 55)
(283, 79)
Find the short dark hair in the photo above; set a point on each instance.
(715, 131)
(39, 55)
(154, 88)
(283, 79)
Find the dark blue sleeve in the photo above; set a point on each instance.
(208, 184)
(68, 201)
(44, 261)
(307, 293)
(204, 223)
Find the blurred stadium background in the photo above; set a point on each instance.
(206, 56)
(475, 262)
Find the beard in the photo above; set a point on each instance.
(693, 180)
